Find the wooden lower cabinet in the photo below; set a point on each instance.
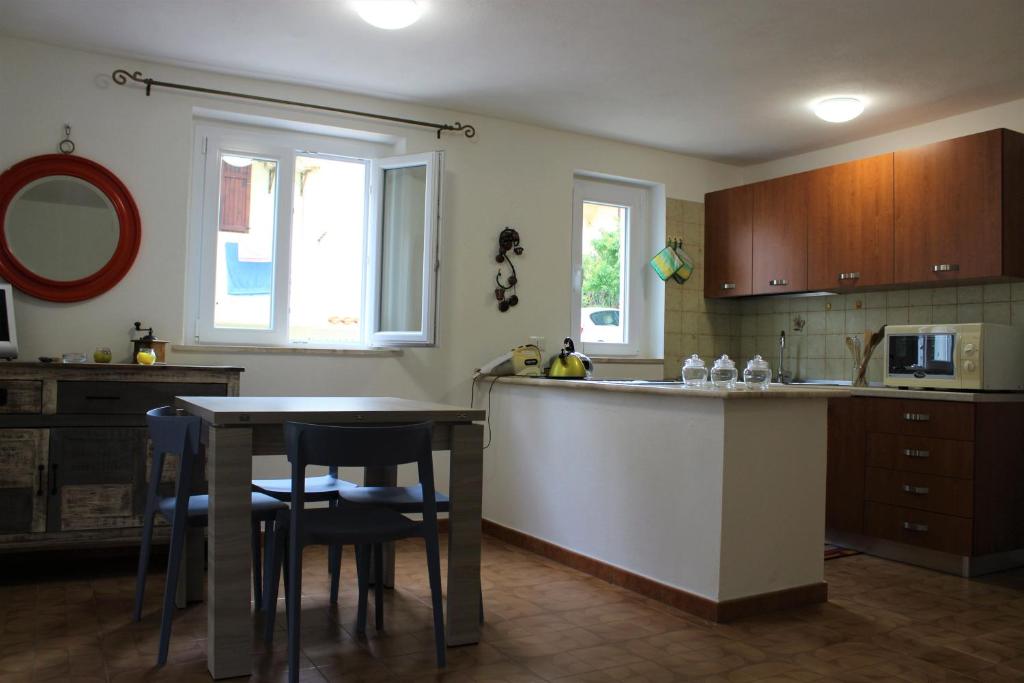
(940, 475)
(74, 450)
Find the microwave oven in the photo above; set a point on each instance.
(967, 356)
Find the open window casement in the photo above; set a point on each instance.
(403, 250)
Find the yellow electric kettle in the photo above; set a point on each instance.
(569, 364)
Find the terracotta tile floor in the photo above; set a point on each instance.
(885, 621)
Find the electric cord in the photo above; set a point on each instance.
(472, 404)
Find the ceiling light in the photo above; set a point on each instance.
(389, 14)
(839, 109)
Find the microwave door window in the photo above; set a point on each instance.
(922, 355)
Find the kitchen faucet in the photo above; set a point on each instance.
(781, 377)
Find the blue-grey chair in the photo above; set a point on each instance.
(322, 489)
(404, 499)
(363, 526)
(179, 435)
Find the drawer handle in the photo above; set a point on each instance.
(946, 267)
(915, 453)
(53, 479)
(917, 417)
(778, 283)
(916, 490)
(39, 486)
(914, 526)
(728, 285)
(849, 276)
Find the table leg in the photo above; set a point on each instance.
(228, 609)
(465, 490)
(383, 476)
(190, 581)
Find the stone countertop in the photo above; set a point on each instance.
(939, 395)
(676, 389)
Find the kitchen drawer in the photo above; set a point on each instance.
(126, 398)
(937, 419)
(920, 491)
(921, 454)
(21, 397)
(927, 529)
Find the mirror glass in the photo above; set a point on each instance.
(62, 228)
(402, 233)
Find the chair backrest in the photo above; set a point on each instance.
(359, 446)
(178, 435)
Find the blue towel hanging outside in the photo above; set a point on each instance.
(247, 278)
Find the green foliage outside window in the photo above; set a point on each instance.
(602, 271)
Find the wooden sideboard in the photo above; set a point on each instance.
(73, 447)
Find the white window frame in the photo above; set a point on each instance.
(427, 334)
(282, 146)
(634, 318)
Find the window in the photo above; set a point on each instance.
(611, 232)
(309, 240)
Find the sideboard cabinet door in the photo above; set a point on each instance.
(97, 478)
(22, 480)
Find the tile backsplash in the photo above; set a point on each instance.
(816, 326)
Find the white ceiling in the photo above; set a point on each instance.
(722, 79)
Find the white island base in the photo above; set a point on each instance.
(711, 501)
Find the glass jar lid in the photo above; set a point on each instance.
(757, 363)
(725, 362)
(694, 361)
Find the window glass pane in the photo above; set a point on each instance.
(604, 273)
(245, 243)
(401, 267)
(326, 296)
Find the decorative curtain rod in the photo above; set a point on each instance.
(122, 76)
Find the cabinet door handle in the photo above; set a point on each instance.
(778, 283)
(917, 417)
(39, 486)
(945, 267)
(849, 276)
(914, 526)
(53, 479)
(728, 285)
(915, 453)
(916, 490)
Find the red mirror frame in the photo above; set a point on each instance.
(15, 272)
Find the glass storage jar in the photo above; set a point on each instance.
(695, 373)
(758, 374)
(723, 373)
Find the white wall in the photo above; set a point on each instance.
(510, 174)
(1006, 115)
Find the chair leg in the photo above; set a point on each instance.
(434, 572)
(257, 572)
(171, 586)
(362, 570)
(294, 606)
(140, 577)
(334, 558)
(378, 585)
(481, 605)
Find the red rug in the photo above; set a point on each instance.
(833, 551)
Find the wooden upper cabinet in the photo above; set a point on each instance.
(780, 212)
(850, 229)
(959, 210)
(727, 243)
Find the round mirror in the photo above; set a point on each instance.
(69, 229)
(61, 228)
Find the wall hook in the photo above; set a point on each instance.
(66, 146)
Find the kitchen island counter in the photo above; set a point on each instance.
(699, 498)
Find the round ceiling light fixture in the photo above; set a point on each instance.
(838, 109)
(390, 15)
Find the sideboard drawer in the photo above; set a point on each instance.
(126, 398)
(20, 397)
(936, 419)
(927, 529)
(920, 491)
(921, 454)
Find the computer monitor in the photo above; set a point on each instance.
(8, 335)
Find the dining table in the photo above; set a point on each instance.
(237, 428)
